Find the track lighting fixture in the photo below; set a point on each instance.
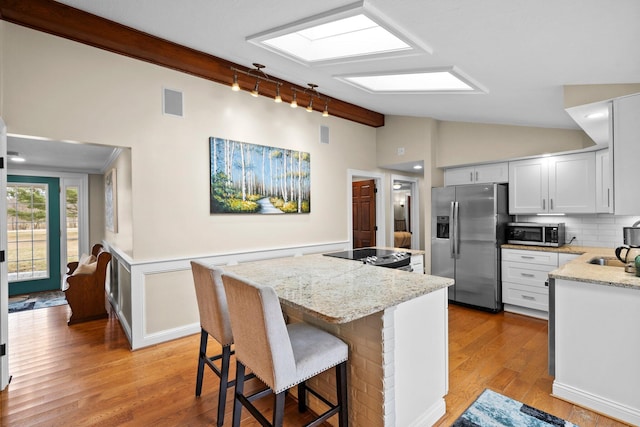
(262, 77)
(278, 98)
(256, 89)
(235, 86)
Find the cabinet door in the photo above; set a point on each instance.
(528, 186)
(458, 176)
(572, 183)
(494, 172)
(604, 194)
(626, 153)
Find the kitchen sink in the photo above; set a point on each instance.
(606, 261)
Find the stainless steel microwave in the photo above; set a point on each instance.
(535, 234)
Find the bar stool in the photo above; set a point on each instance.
(280, 355)
(214, 321)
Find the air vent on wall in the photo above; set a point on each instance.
(172, 102)
(324, 134)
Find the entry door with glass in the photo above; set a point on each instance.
(33, 231)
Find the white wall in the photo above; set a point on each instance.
(60, 89)
(465, 143)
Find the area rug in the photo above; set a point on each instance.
(36, 300)
(493, 409)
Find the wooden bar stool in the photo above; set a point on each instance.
(280, 355)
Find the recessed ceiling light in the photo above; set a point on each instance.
(342, 34)
(449, 80)
(417, 167)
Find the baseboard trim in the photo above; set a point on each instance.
(431, 415)
(525, 311)
(596, 403)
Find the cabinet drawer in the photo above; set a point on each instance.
(531, 257)
(525, 296)
(417, 264)
(526, 274)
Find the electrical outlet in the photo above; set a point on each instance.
(400, 151)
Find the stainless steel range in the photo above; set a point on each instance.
(380, 257)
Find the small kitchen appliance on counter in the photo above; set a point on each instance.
(536, 234)
(378, 257)
(632, 234)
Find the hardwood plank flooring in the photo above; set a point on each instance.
(85, 375)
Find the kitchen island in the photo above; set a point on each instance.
(395, 323)
(596, 323)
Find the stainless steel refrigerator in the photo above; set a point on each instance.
(467, 228)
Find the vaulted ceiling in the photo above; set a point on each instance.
(522, 53)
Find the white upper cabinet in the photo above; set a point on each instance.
(478, 174)
(626, 154)
(572, 183)
(604, 180)
(529, 186)
(559, 184)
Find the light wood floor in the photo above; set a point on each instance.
(86, 375)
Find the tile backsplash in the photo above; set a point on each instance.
(601, 230)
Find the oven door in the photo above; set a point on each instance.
(525, 234)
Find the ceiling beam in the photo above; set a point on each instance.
(64, 21)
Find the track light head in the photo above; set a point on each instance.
(294, 101)
(256, 89)
(235, 86)
(278, 98)
(310, 106)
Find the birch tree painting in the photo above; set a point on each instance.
(250, 178)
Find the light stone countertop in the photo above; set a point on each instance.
(580, 270)
(337, 290)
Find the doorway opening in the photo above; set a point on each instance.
(33, 231)
(405, 210)
(47, 228)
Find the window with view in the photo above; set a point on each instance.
(27, 231)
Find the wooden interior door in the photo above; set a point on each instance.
(364, 213)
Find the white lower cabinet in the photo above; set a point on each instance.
(417, 263)
(525, 280)
(525, 286)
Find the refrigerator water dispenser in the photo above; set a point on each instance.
(442, 227)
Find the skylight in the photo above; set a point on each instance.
(434, 81)
(340, 35)
(349, 37)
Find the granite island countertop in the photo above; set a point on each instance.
(337, 290)
(580, 270)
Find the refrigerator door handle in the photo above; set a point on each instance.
(452, 236)
(456, 227)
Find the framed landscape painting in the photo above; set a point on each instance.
(256, 179)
